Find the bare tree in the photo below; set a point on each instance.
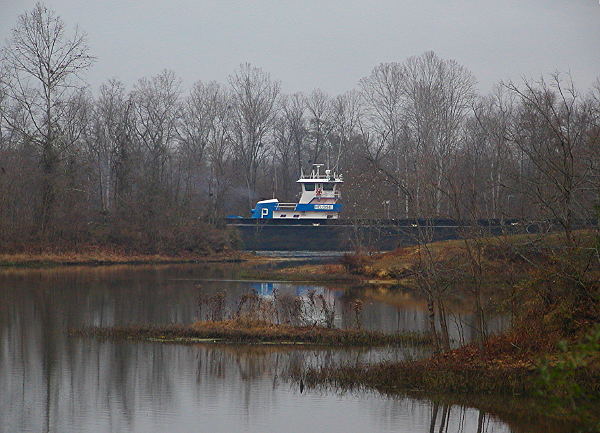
(5, 108)
(383, 94)
(294, 112)
(205, 142)
(45, 64)
(438, 96)
(488, 159)
(157, 114)
(346, 119)
(197, 115)
(283, 156)
(415, 117)
(593, 155)
(430, 272)
(551, 128)
(254, 110)
(110, 141)
(318, 106)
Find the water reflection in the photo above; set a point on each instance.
(169, 294)
(87, 385)
(53, 383)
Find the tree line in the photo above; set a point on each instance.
(158, 166)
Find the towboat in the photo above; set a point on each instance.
(314, 223)
(319, 199)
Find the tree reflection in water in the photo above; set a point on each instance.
(53, 383)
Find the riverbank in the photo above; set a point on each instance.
(485, 381)
(306, 273)
(252, 332)
(506, 364)
(105, 257)
(549, 286)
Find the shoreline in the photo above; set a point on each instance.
(470, 375)
(551, 351)
(330, 273)
(242, 331)
(110, 258)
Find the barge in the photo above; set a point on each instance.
(314, 223)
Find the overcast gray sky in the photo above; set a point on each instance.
(329, 44)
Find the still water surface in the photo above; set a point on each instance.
(53, 383)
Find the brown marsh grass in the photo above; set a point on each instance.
(241, 330)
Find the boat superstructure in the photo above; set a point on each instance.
(318, 200)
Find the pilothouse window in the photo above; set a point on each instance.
(328, 186)
(309, 187)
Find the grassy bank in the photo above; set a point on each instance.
(104, 257)
(253, 332)
(506, 364)
(550, 288)
(501, 379)
(304, 273)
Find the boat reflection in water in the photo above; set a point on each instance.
(53, 383)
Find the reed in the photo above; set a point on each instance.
(243, 330)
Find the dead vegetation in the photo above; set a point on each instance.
(243, 330)
(280, 309)
(282, 319)
(101, 256)
(550, 289)
(321, 273)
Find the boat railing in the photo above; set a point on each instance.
(323, 177)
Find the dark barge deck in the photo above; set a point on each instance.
(349, 235)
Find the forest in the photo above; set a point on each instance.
(156, 167)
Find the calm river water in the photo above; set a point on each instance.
(53, 383)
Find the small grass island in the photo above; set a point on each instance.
(241, 330)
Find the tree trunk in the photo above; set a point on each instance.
(480, 319)
(445, 336)
(48, 193)
(431, 320)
